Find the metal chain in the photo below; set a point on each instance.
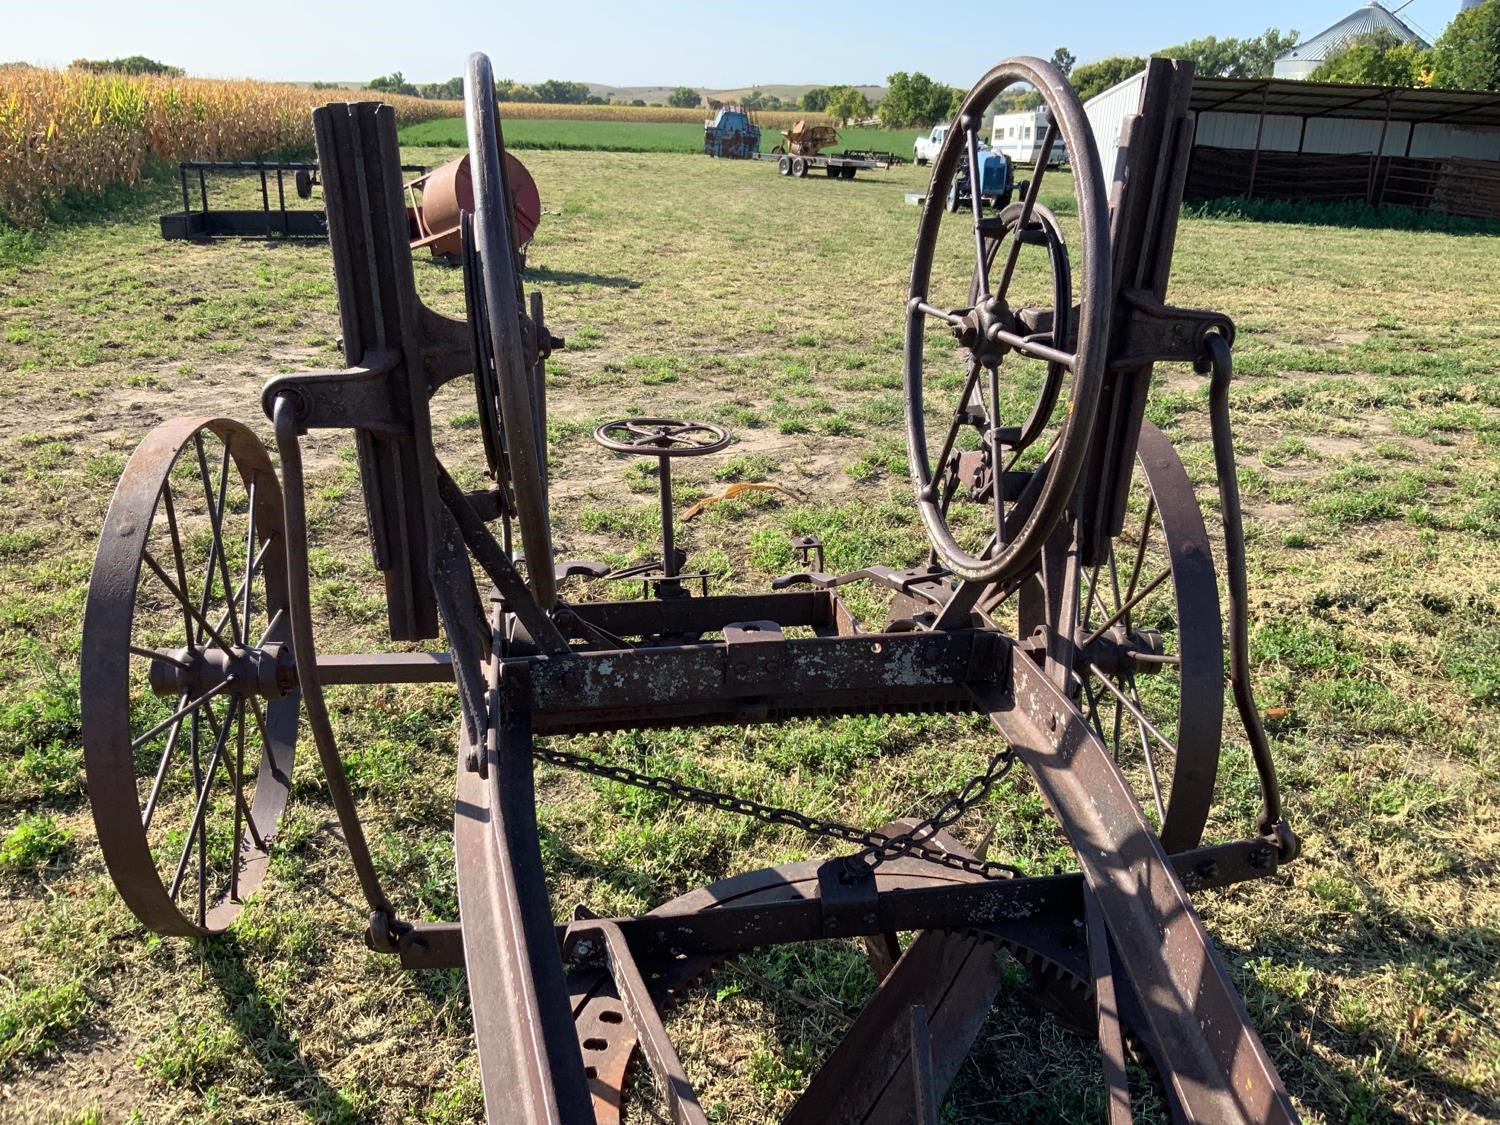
(878, 846)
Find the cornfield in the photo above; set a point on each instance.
(65, 130)
(773, 119)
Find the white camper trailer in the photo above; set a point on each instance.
(1019, 136)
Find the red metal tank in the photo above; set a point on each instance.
(449, 189)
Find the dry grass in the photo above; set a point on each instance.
(1368, 425)
(71, 130)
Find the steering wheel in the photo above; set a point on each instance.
(1072, 342)
(500, 323)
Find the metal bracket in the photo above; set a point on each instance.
(848, 896)
(755, 652)
(1153, 332)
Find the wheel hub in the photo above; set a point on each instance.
(266, 671)
(979, 327)
(1118, 651)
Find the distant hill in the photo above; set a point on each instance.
(661, 93)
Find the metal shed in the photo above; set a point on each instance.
(1290, 139)
(1307, 56)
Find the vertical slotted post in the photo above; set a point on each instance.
(1111, 1040)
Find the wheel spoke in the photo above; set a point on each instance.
(955, 427)
(1140, 595)
(187, 619)
(1038, 345)
(157, 654)
(161, 771)
(976, 205)
(239, 804)
(217, 554)
(997, 473)
(1140, 550)
(177, 716)
(270, 627)
(1139, 715)
(1161, 810)
(239, 792)
(245, 590)
(203, 783)
(192, 611)
(954, 318)
(1033, 189)
(250, 556)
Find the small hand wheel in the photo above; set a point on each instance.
(661, 437)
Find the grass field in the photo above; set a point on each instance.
(1368, 429)
(632, 136)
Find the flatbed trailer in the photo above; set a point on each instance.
(838, 167)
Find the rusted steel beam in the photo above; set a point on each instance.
(954, 978)
(385, 668)
(773, 677)
(1028, 910)
(1220, 1071)
(529, 1060)
(641, 1008)
(707, 615)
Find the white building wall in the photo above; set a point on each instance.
(1107, 112)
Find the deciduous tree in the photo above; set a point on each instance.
(1467, 53)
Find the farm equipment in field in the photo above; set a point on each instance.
(1068, 598)
(437, 200)
(278, 220)
(803, 139)
(996, 180)
(732, 133)
(434, 201)
(801, 150)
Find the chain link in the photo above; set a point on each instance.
(878, 847)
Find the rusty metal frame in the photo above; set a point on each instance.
(561, 1009)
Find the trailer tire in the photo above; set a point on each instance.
(834, 171)
(799, 167)
(784, 166)
(848, 173)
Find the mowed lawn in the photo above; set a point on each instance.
(1368, 427)
(634, 136)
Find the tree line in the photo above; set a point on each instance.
(1466, 56)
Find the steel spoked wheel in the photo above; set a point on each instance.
(509, 335)
(1002, 325)
(1151, 648)
(188, 681)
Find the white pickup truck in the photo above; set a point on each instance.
(927, 147)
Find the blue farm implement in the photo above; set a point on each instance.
(731, 133)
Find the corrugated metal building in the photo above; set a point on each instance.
(1307, 56)
(1291, 139)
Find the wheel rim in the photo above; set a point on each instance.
(502, 318)
(188, 685)
(1017, 538)
(1160, 711)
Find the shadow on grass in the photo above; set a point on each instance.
(1331, 1083)
(259, 1025)
(575, 277)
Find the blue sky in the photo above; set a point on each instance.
(649, 42)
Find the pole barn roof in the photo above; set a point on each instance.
(1420, 105)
